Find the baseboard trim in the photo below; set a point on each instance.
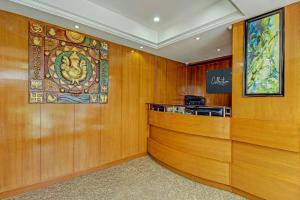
(245, 194)
(195, 178)
(227, 188)
(44, 184)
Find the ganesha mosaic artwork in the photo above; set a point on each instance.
(66, 66)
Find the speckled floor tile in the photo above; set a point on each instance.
(139, 179)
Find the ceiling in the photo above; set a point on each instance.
(170, 11)
(130, 22)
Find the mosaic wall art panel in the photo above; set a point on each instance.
(66, 66)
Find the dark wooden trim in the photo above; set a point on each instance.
(210, 61)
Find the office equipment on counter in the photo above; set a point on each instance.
(218, 111)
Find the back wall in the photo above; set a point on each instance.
(196, 81)
(46, 142)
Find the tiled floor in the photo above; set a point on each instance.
(140, 179)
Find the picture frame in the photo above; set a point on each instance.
(264, 55)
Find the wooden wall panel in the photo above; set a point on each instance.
(262, 171)
(270, 164)
(87, 140)
(217, 127)
(170, 81)
(194, 165)
(182, 82)
(19, 121)
(175, 82)
(57, 140)
(196, 82)
(270, 108)
(160, 82)
(111, 115)
(205, 147)
(274, 134)
(130, 102)
(147, 64)
(47, 142)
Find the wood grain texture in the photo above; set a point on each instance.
(215, 127)
(196, 82)
(176, 77)
(273, 134)
(267, 167)
(130, 102)
(170, 81)
(285, 108)
(194, 165)
(19, 121)
(160, 82)
(44, 184)
(196, 178)
(111, 113)
(262, 171)
(46, 142)
(206, 147)
(147, 75)
(57, 140)
(87, 140)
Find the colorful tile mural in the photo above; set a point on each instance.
(66, 66)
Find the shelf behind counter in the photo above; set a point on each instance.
(195, 145)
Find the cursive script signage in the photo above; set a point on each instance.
(219, 81)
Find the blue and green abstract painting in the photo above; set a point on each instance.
(263, 56)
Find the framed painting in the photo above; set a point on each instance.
(264, 55)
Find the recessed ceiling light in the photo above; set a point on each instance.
(76, 26)
(141, 47)
(218, 50)
(229, 27)
(197, 38)
(156, 19)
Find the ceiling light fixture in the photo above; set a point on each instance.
(141, 47)
(156, 19)
(218, 50)
(76, 26)
(197, 38)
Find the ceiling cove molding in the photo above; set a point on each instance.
(82, 20)
(151, 42)
(232, 18)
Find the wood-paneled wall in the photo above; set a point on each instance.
(174, 80)
(41, 143)
(170, 82)
(266, 130)
(196, 82)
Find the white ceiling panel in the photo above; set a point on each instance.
(169, 11)
(130, 22)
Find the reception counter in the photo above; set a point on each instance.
(197, 146)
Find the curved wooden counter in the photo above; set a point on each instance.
(197, 145)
